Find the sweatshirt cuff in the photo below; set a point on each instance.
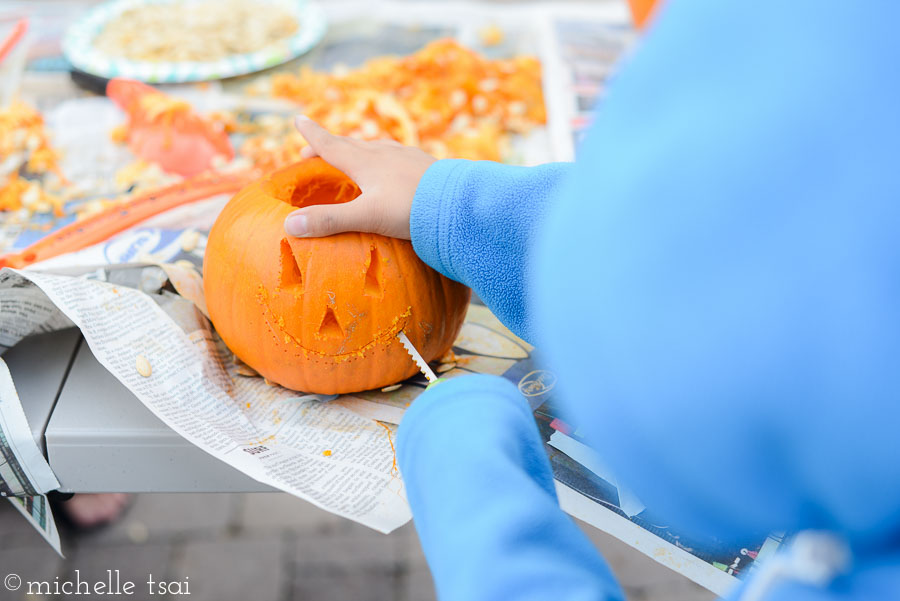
(459, 399)
(431, 219)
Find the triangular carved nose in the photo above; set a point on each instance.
(330, 328)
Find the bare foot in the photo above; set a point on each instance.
(92, 510)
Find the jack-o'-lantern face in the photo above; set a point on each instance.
(322, 314)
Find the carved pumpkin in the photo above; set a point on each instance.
(322, 314)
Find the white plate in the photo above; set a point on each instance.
(79, 49)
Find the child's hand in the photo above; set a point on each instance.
(387, 172)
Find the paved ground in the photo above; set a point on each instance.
(268, 547)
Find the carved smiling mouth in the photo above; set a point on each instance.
(329, 328)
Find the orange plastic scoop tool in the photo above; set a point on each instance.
(166, 131)
(102, 226)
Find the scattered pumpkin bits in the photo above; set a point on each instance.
(322, 315)
(491, 35)
(22, 131)
(447, 99)
(25, 146)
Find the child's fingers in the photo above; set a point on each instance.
(324, 220)
(337, 150)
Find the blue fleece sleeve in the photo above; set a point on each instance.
(481, 490)
(474, 221)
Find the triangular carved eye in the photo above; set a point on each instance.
(373, 275)
(330, 328)
(290, 277)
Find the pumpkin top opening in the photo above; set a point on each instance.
(310, 182)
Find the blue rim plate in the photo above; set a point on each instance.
(79, 49)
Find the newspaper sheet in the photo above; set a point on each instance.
(24, 473)
(37, 511)
(23, 469)
(267, 432)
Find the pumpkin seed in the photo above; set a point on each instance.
(143, 366)
(391, 388)
(445, 367)
(138, 533)
(245, 370)
(189, 240)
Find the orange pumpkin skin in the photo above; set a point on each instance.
(322, 315)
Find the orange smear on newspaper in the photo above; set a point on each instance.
(394, 470)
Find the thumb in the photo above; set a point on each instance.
(337, 150)
(324, 220)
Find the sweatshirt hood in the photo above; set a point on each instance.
(724, 318)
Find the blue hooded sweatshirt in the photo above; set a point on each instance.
(716, 282)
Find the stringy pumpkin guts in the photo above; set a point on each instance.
(447, 99)
(25, 146)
